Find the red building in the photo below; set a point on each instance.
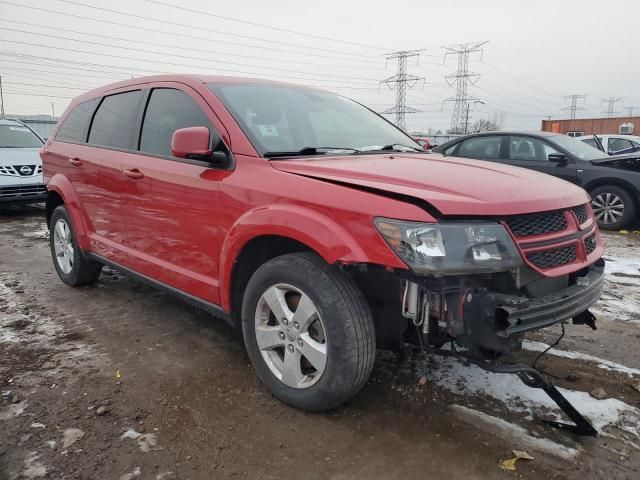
(590, 126)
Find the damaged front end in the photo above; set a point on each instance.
(485, 283)
(489, 314)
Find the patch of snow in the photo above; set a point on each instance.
(601, 363)
(451, 374)
(51, 443)
(128, 476)
(33, 468)
(71, 436)
(38, 425)
(514, 434)
(146, 441)
(13, 411)
(620, 300)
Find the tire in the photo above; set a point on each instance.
(72, 266)
(343, 325)
(614, 207)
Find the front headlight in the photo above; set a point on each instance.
(450, 248)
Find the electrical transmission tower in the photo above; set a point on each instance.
(461, 79)
(400, 81)
(630, 110)
(611, 105)
(573, 107)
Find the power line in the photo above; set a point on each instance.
(461, 79)
(46, 86)
(191, 49)
(536, 88)
(262, 25)
(50, 72)
(183, 34)
(573, 108)
(400, 81)
(211, 30)
(611, 105)
(178, 64)
(188, 57)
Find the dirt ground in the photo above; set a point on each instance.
(118, 381)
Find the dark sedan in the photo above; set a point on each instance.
(613, 182)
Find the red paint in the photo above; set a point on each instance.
(185, 224)
(190, 141)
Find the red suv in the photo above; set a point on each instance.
(314, 224)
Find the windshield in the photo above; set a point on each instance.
(17, 136)
(282, 118)
(576, 147)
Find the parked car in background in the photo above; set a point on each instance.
(425, 142)
(613, 182)
(613, 144)
(20, 165)
(314, 224)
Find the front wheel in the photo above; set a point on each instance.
(308, 331)
(613, 206)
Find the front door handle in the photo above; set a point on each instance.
(76, 162)
(134, 174)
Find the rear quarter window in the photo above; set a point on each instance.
(115, 121)
(76, 124)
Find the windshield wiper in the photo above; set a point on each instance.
(310, 151)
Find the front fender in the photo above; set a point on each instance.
(310, 227)
(63, 187)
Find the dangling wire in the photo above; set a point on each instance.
(554, 344)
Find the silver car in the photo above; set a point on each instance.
(20, 164)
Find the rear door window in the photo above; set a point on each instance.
(75, 126)
(619, 145)
(168, 110)
(115, 121)
(481, 147)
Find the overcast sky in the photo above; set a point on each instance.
(536, 51)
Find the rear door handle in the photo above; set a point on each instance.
(76, 162)
(134, 174)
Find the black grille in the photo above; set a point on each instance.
(590, 243)
(22, 190)
(581, 213)
(553, 258)
(537, 223)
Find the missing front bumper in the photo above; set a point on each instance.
(496, 321)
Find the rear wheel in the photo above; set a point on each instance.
(613, 206)
(308, 331)
(70, 264)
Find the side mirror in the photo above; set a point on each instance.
(191, 142)
(559, 158)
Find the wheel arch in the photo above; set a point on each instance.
(618, 182)
(61, 192)
(264, 233)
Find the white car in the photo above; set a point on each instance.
(20, 164)
(613, 144)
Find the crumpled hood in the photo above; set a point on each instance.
(625, 162)
(454, 186)
(20, 156)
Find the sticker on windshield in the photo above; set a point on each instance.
(268, 130)
(19, 129)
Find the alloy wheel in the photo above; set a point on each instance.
(291, 336)
(608, 208)
(63, 245)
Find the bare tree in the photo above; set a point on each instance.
(484, 125)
